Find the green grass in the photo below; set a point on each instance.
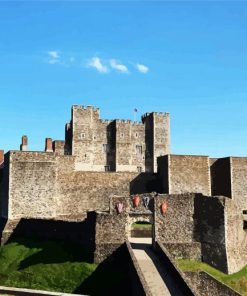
(237, 281)
(53, 266)
(141, 225)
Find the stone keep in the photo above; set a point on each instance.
(116, 145)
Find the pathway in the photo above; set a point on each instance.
(157, 276)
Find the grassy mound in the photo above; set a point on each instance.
(53, 266)
(237, 281)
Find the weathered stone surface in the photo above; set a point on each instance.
(118, 145)
(184, 173)
(204, 284)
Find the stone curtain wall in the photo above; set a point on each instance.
(236, 237)
(197, 226)
(175, 229)
(4, 188)
(113, 228)
(45, 185)
(209, 229)
(205, 284)
(189, 174)
(239, 184)
(32, 185)
(176, 225)
(110, 234)
(91, 191)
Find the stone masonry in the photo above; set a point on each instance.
(101, 163)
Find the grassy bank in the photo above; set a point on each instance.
(142, 225)
(237, 281)
(54, 266)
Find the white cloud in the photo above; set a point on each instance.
(96, 63)
(53, 57)
(142, 68)
(119, 67)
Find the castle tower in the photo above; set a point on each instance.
(91, 140)
(157, 138)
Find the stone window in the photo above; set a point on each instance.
(139, 169)
(136, 135)
(81, 136)
(121, 135)
(138, 149)
(105, 148)
(107, 168)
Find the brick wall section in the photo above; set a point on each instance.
(189, 174)
(239, 184)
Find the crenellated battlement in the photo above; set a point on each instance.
(88, 107)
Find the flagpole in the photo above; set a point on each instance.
(135, 111)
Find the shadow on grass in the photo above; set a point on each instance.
(52, 251)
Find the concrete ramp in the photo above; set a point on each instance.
(157, 276)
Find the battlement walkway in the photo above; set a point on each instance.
(156, 274)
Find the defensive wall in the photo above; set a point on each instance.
(229, 176)
(194, 227)
(102, 163)
(45, 185)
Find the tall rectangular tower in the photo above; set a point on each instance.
(157, 138)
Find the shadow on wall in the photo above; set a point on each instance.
(144, 183)
(82, 232)
(210, 231)
(116, 275)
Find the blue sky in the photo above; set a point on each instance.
(186, 58)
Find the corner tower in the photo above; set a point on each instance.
(157, 138)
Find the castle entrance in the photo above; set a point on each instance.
(140, 226)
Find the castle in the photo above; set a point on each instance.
(79, 182)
